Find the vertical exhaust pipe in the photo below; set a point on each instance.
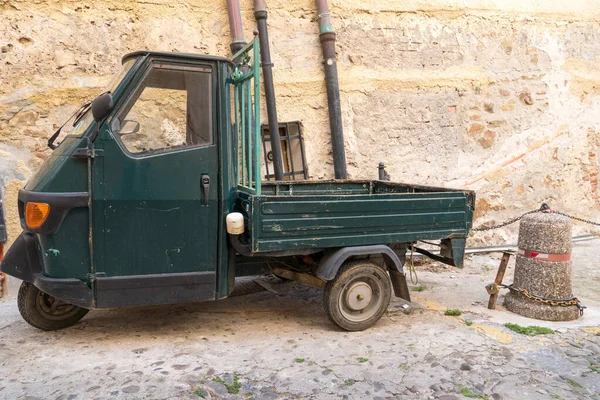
(260, 13)
(327, 37)
(235, 26)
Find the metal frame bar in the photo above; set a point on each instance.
(246, 78)
(301, 174)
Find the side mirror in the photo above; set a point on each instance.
(101, 106)
(129, 127)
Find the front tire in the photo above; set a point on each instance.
(358, 296)
(46, 312)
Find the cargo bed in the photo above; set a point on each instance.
(307, 214)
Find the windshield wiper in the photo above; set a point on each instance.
(84, 108)
(78, 115)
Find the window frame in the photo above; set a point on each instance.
(134, 95)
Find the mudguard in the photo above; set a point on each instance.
(21, 259)
(22, 262)
(333, 260)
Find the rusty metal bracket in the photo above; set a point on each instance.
(300, 277)
(493, 288)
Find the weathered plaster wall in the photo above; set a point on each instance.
(497, 96)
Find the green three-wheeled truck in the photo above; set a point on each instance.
(154, 196)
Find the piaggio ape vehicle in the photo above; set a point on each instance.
(155, 197)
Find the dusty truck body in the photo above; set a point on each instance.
(155, 197)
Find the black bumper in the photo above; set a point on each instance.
(22, 261)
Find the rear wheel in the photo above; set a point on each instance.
(358, 296)
(46, 312)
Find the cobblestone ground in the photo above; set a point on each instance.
(269, 346)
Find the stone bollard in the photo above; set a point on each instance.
(543, 268)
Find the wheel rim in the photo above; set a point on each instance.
(54, 309)
(361, 299)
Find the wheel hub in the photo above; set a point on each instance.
(54, 309)
(359, 296)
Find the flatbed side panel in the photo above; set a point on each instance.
(290, 222)
(345, 187)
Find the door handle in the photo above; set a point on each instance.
(205, 187)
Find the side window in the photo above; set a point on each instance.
(172, 108)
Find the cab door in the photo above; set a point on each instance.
(158, 198)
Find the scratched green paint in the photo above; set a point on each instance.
(336, 214)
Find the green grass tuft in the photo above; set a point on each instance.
(453, 312)
(299, 360)
(595, 367)
(529, 330)
(419, 288)
(349, 382)
(233, 388)
(200, 393)
(362, 359)
(468, 322)
(574, 384)
(469, 394)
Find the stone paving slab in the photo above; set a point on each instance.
(265, 346)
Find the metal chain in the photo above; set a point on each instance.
(572, 301)
(543, 208)
(587, 221)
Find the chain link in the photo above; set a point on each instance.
(587, 221)
(572, 301)
(543, 208)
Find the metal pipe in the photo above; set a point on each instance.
(327, 37)
(260, 13)
(499, 249)
(235, 26)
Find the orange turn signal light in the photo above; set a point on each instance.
(36, 214)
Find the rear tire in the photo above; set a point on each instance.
(46, 312)
(358, 296)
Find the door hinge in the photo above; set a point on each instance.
(86, 153)
(94, 277)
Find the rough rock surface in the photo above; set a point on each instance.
(547, 233)
(500, 97)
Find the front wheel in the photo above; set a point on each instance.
(358, 296)
(46, 312)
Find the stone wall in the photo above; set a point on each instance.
(496, 96)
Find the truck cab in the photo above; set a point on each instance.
(131, 207)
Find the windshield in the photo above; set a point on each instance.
(77, 127)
